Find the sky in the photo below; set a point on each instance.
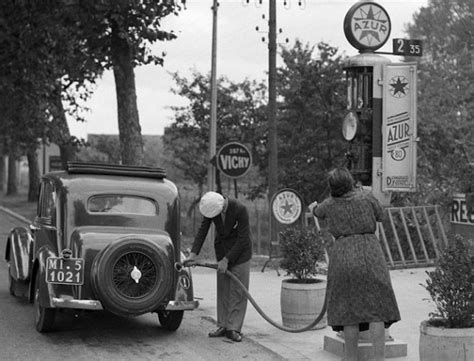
(241, 53)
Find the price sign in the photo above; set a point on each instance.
(407, 47)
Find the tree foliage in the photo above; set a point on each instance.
(311, 109)
(105, 148)
(126, 29)
(42, 60)
(311, 105)
(240, 117)
(52, 52)
(445, 98)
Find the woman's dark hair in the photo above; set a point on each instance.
(340, 181)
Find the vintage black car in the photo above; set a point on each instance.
(106, 237)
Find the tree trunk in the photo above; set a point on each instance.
(33, 174)
(12, 181)
(60, 133)
(131, 142)
(2, 164)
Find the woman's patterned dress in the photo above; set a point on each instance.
(359, 289)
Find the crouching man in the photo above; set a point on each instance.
(233, 249)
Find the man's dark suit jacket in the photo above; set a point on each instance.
(232, 238)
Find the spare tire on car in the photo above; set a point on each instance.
(131, 276)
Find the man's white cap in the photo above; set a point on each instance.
(211, 204)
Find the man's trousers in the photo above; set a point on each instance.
(231, 299)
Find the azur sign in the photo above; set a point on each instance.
(399, 133)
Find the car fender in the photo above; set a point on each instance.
(19, 253)
(46, 289)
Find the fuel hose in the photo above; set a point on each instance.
(255, 305)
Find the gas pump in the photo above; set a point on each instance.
(357, 124)
(380, 122)
(362, 124)
(367, 27)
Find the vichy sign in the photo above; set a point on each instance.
(234, 160)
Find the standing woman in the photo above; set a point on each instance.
(359, 291)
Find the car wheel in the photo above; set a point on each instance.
(44, 316)
(171, 320)
(132, 277)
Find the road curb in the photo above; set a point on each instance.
(15, 215)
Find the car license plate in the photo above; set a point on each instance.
(66, 271)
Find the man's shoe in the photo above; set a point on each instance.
(220, 332)
(234, 336)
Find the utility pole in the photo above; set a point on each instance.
(272, 112)
(211, 173)
(272, 104)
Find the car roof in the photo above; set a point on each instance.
(115, 169)
(101, 177)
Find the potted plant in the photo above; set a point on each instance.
(302, 295)
(449, 333)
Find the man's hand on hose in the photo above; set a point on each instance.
(222, 265)
(190, 260)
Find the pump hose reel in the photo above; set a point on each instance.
(178, 266)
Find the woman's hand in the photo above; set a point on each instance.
(312, 207)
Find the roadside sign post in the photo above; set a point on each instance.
(286, 208)
(234, 161)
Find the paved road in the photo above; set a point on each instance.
(100, 336)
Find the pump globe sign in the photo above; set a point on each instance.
(367, 26)
(234, 160)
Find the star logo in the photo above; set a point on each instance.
(286, 206)
(399, 86)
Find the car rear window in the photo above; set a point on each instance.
(118, 204)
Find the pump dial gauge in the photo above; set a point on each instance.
(349, 125)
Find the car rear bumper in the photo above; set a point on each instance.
(97, 305)
(74, 303)
(182, 305)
